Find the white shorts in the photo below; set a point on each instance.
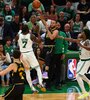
(31, 59)
(83, 66)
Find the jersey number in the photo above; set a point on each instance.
(24, 42)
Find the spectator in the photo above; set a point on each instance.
(52, 13)
(69, 13)
(33, 26)
(24, 15)
(8, 47)
(67, 30)
(3, 64)
(83, 9)
(15, 25)
(62, 20)
(8, 13)
(76, 26)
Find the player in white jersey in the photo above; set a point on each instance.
(84, 62)
(25, 41)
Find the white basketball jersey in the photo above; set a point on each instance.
(85, 54)
(25, 43)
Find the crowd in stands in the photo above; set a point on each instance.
(70, 22)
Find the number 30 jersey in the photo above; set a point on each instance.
(25, 43)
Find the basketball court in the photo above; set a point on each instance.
(59, 96)
(70, 91)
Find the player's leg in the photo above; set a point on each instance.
(28, 76)
(35, 65)
(10, 93)
(80, 77)
(81, 83)
(84, 70)
(39, 74)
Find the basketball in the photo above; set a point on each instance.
(36, 4)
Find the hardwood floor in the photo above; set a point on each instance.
(56, 96)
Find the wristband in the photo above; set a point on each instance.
(20, 31)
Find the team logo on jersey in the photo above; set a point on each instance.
(72, 68)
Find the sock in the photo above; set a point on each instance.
(39, 74)
(28, 77)
(81, 83)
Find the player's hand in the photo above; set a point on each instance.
(41, 17)
(78, 41)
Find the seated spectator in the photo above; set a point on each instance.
(52, 13)
(67, 30)
(8, 47)
(8, 13)
(76, 26)
(24, 15)
(33, 26)
(69, 13)
(4, 59)
(62, 20)
(83, 9)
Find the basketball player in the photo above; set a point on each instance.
(17, 68)
(84, 62)
(25, 41)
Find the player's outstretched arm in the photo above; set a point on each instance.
(69, 39)
(8, 69)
